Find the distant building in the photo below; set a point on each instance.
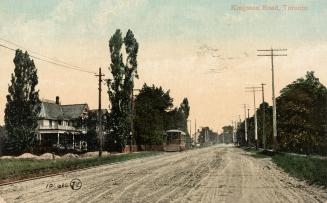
(196, 136)
(227, 134)
(61, 125)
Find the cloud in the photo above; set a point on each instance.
(109, 9)
(63, 11)
(231, 19)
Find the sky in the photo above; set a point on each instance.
(204, 50)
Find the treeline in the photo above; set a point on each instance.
(155, 113)
(141, 120)
(138, 121)
(206, 136)
(123, 124)
(301, 119)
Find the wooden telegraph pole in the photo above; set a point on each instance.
(264, 137)
(255, 89)
(273, 52)
(245, 125)
(100, 136)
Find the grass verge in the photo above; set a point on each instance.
(14, 169)
(311, 169)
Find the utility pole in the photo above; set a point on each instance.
(245, 125)
(190, 128)
(100, 114)
(254, 89)
(195, 132)
(272, 52)
(223, 137)
(249, 123)
(264, 137)
(239, 123)
(208, 137)
(235, 134)
(205, 137)
(233, 130)
(132, 122)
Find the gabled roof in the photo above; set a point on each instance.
(54, 111)
(51, 111)
(73, 111)
(103, 111)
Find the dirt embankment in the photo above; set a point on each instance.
(215, 174)
(50, 156)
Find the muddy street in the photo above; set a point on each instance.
(214, 174)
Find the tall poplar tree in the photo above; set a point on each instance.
(120, 87)
(23, 105)
(185, 108)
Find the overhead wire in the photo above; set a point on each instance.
(45, 58)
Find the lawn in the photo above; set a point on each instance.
(311, 169)
(14, 169)
(308, 168)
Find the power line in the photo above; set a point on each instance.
(31, 51)
(76, 68)
(7, 47)
(62, 65)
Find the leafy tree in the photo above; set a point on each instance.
(240, 134)
(154, 114)
(301, 114)
(3, 138)
(121, 86)
(228, 134)
(23, 105)
(151, 107)
(185, 109)
(301, 118)
(211, 136)
(175, 119)
(202, 137)
(268, 125)
(91, 122)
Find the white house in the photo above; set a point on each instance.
(61, 124)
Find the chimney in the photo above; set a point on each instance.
(57, 100)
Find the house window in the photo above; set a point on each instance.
(50, 123)
(59, 122)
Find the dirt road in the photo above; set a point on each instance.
(214, 174)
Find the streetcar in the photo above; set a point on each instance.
(174, 141)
